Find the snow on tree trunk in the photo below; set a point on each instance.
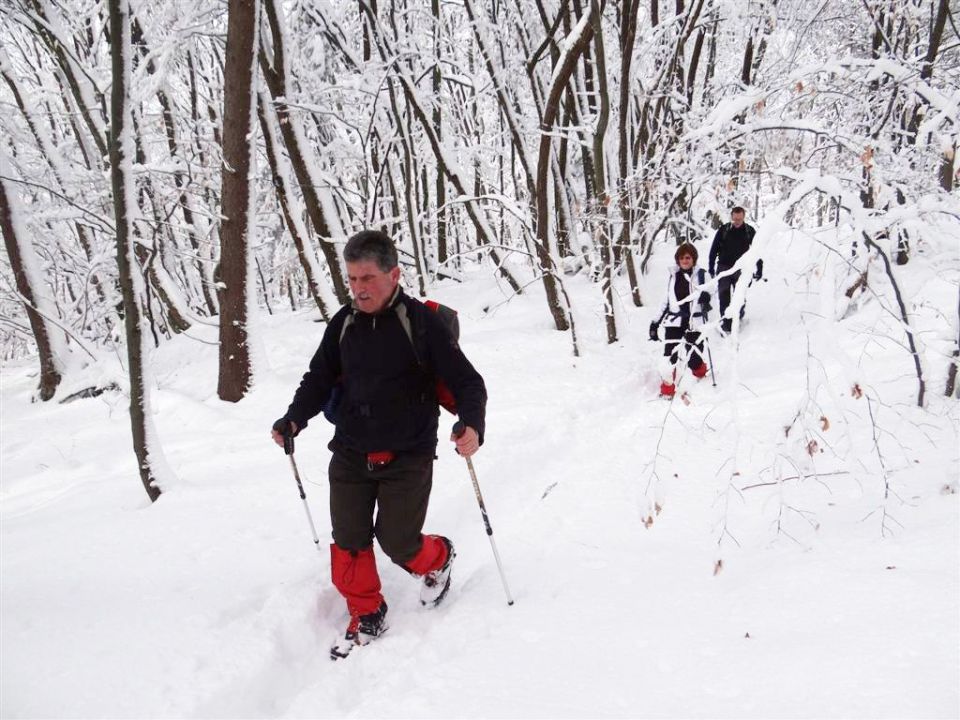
(572, 48)
(50, 345)
(150, 460)
(321, 208)
(236, 281)
(293, 211)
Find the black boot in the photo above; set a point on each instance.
(361, 630)
(437, 582)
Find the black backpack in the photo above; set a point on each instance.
(417, 336)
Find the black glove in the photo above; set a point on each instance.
(654, 327)
(285, 426)
(705, 308)
(758, 275)
(692, 337)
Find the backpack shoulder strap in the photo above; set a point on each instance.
(447, 315)
(347, 322)
(414, 329)
(413, 319)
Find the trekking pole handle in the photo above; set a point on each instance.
(459, 428)
(288, 442)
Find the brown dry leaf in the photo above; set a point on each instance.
(648, 521)
(717, 568)
(867, 157)
(759, 106)
(856, 391)
(657, 508)
(812, 447)
(747, 635)
(731, 185)
(798, 87)
(824, 423)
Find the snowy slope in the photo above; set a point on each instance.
(830, 600)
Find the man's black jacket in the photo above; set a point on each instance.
(389, 401)
(729, 244)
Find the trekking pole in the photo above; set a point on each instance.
(288, 449)
(458, 429)
(713, 375)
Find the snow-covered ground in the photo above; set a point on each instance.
(777, 580)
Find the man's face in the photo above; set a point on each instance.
(737, 219)
(371, 286)
(686, 262)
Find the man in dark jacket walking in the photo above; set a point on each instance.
(385, 351)
(729, 244)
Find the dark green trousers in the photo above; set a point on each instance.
(388, 503)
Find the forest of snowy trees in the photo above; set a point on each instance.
(177, 164)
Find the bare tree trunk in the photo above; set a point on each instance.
(139, 40)
(131, 283)
(952, 370)
(409, 182)
(600, 176)
(561, 76)
(323, 218)
(236, 283)
(908, 329)
(926, 72)
(50, 154)
(508, 108)
(438, 129)
(293, 222)
(64, 59)
(947, 167)
(17, 247)
(203, 265)
(628, 32)
(453, 174)
(172, 301)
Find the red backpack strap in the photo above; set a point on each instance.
(449, 317)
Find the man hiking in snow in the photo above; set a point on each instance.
(384, 352)
(731, 241)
